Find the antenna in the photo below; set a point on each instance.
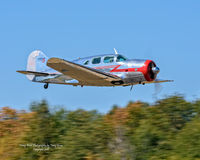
(115, 51)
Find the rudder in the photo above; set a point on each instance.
(37, 63)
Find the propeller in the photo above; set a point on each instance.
(157, 89)
(157, 86)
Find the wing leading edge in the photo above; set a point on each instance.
(85, 75)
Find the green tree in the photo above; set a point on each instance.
(87, 137)
(45, 130)
(187, 143)
(152, 128)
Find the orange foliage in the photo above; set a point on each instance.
(13, 125)
(121, 115)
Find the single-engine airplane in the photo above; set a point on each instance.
(100, 70)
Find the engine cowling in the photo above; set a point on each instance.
(150, 70)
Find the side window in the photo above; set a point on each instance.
(86, 62)
(108, 59)
(120, 58)
(96, 60)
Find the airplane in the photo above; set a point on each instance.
(100, 70)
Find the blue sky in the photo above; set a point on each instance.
(166, 31)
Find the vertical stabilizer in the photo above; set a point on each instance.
(37, 63)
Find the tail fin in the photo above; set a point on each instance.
(37, 63)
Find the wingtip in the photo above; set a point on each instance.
(19, 71)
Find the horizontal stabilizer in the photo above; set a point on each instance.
(35, 73)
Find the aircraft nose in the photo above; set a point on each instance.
(155, 70)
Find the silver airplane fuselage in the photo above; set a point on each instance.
(132, 71)
(100, 70)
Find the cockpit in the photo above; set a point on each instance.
(120, 58)
(105, 59)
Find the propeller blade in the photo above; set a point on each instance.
(157, 89)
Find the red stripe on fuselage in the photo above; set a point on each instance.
(105, 67)
(144, 69)
(124, 69)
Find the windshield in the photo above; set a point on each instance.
(120, 58)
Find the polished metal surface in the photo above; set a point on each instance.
(116, 67)
(127, 77)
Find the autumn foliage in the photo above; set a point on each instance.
(169, 129)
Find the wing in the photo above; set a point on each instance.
(159, 81)
(85, 75)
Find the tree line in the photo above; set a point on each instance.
(168, 130)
